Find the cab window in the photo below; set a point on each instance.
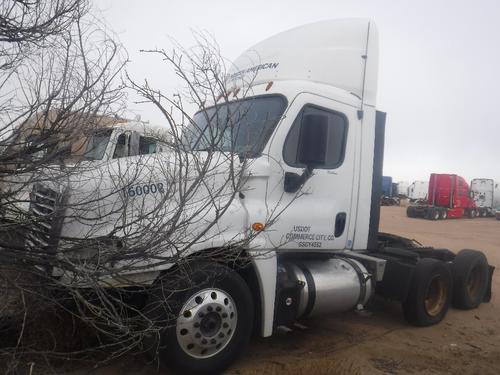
(337, 135)
(147, 146)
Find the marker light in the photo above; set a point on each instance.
(257, 227)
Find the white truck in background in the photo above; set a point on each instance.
(483, 192)
(496, 200)
(324, 254)
(402, 189)
(418, 191)
(108, 143)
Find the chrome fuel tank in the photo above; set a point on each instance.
(333, 285)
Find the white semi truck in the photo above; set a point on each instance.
(418, 190)
(320, 163)
(483, 192)
(402, 189)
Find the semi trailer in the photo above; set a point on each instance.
(318, 162)
(402, 189)
(448, 196)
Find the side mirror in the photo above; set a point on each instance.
(311, 150)
(313, 140)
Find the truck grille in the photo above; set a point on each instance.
(43, 208)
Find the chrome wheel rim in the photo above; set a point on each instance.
(206, 323)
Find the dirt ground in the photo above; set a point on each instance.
(379, 341)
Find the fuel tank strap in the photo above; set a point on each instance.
(362, 279)
(311, 300)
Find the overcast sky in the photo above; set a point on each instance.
(439, 69)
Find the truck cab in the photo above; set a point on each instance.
(449, 196)
(483, 192)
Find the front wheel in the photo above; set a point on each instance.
(430, 293)
(213, 322)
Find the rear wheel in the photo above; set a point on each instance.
(212, 321)
(435, 214)
(429, 296)
(443, 214)
(410, 211)
(429, 213)
(470, 279)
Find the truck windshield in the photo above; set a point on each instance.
(242, 126)
(96, 145)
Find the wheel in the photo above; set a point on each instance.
(429, 296)
(470, 279)
(483, 213)
(433, 214)
(212, 321)
(443, 214)
(410, 211)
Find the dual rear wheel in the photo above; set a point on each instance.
(436, 285)
(436, 214)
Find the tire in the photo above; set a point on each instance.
(470, 279)
(443, 215)
(410, 212)
(213, 321)
(430, 293)
(433, 214)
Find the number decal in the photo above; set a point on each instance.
(154, 188)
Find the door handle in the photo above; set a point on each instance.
(340, 223)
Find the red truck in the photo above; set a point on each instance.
(449, 196)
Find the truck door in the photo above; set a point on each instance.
(317, 217)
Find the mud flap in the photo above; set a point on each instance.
(397, 280)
